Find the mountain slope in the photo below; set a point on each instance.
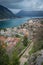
(5, 13)
(30, 13)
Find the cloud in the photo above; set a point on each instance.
(28, 5)
(8, 3)
(11, 1)
(23, 4)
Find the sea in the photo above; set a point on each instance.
(14, 22)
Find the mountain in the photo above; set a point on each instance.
(5, 13)
(30, 13)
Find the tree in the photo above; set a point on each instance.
(4, 58)
(3, 29)
(25, 40)
(15, 59)
(25, 63)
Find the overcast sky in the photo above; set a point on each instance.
(17, 5)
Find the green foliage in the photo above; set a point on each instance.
(17, 35)
(38, 46)
(25, 63)
(4, 58)
(31, 51)
(15, 59)
(41, 22)
(3, 29)
(42, 63)
(19, 47)
(25, 40)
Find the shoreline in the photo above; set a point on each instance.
(26, 22)
(4, 19)
(19, 18)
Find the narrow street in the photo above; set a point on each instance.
(24, 57)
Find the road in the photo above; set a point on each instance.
(25, 56)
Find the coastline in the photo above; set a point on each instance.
(29, 20)
(4, 19)
(19, 18)
(19, 25)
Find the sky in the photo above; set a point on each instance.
(17, 5)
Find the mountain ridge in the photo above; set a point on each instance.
(23, 13)
(5, 13)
